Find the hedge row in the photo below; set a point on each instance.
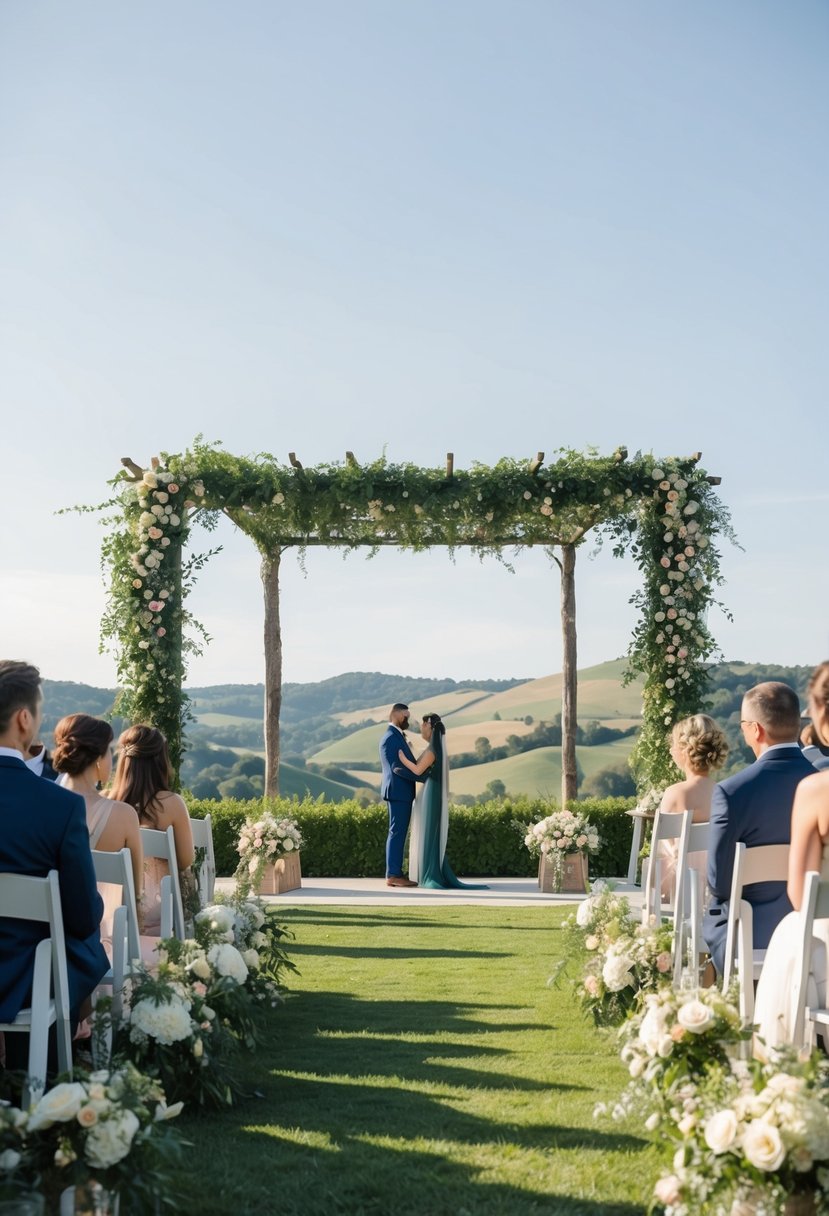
(345, 839)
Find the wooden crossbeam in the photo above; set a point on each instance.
(536, 464)
(294, 461)
(352, 459)
(135, 469)
(450, 465)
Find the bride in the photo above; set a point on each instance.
(428, 866)
(774, 1014)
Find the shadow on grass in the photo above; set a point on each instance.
(344, 1012)
(398, 953)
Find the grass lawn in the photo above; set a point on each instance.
(422, 1066)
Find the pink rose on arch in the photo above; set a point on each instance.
(155, 605)
(155, 533)
(161, 631)
(663, 962)
(173, 488)
(200, 989)
(665, 562)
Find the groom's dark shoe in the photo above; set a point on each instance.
(397, 880)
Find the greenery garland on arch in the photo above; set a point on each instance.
(665, 512)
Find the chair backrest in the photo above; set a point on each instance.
(666, 826)
(763, 863)
(202, 830)
(116, 868)
(815, 906)
(698, 836)
(163, 845)
(23, 897)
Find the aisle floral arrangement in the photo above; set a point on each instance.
(623, 957)
(108, 1128)
(673, 1037)
(188, 1015)
(261, 842)
(561, 833)
(755, 1140)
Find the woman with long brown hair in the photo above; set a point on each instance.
(142, 778)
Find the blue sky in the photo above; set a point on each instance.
(486, 227)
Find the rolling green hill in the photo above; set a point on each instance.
(537, 772)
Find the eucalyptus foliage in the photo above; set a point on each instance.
(666, 513)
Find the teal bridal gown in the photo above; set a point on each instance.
(430, 824)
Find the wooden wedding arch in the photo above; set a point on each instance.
(664, 511)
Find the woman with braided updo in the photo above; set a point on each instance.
(143, 778)
(773, 1012)
(428, 866)
(698, 748)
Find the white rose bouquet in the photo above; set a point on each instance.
(560, 833)
(261, 842)
(105, 1127)
(753, 1137)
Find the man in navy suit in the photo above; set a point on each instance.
(44, 828)
(398, 790)
(755, 806)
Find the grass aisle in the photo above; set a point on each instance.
(421, 1066)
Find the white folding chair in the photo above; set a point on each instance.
(763, 863)
(38, 899)
(689, 902)
(116, 868)
(808, 1017)
(666, 827)
(163, 845)
(202, 830)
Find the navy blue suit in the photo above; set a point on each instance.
(755, 807)
(44, 828)
(398, 790)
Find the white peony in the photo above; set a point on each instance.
(584, 912)
(255, 913)
(168, 1023)
(694, 1016)
(251, 959)
(111, 1140)
(218, 916)
(721, 1131)
(652, 1030)
(59, 1105)
(763, 1147)
(228, 961)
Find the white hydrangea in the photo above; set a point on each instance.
(110, 1140)
(616, 972)
(218, 916)
(167, 1022)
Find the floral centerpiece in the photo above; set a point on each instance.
(261, 843)
(624, 957)
(560, 834)
(755, 1140)
(107, 1129)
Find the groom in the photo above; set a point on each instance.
(398, 790)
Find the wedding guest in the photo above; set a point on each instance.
(39, 761)
(774, 1012)
(698, 748)
(83, 755)
(44, 829)
(142, 778)
(816, 752)
(755, 806)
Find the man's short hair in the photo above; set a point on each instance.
(776, 706)
(19, 689)
(398, 707)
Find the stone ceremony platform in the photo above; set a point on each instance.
(503, 892)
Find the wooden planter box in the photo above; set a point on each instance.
(284, 875)
(573, 874)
